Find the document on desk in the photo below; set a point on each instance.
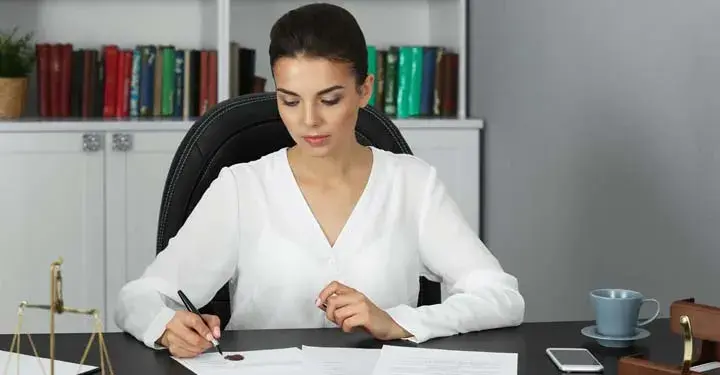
(256, 362)
(399, 360)
(13, 363)
(340, 361)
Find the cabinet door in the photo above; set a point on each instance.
(136, 170)
(456, 155)
(52, 207)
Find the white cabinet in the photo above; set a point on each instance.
(455, 153)
(51, 206)
(93, 198)
(137, 164)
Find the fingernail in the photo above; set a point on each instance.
(216, 330)
(209, 337)
(317, 302)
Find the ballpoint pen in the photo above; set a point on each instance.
(190, 307)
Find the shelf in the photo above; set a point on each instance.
(384, 23)
(31, 125)
(22, 126)
(214, 24)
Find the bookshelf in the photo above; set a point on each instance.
(213, 25)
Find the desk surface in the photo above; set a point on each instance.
(529, 340)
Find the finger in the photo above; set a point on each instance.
(180, 352)
(353, 321)
(177, 345)
(189, 336)
(340, 301)
(348, 311)
(198, 324)
(213, 322)
(332, 288)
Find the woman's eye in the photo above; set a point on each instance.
(290, 104)
(331, 102)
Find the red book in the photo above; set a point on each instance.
(126, 83)
(120, 81)
(111, 68)
(212, 78)
(203, 97)
(66, 51)
(55, 73)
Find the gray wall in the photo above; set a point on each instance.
(602, 146)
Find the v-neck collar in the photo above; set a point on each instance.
(358, 216)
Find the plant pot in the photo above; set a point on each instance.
(13, 92)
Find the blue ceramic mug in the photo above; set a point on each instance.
(617, 311)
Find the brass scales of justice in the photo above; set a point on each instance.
(57, 306)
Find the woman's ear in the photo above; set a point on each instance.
(366, 90)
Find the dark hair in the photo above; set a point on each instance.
(320, 30)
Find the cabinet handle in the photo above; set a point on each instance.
(122, 142)
(91, 142)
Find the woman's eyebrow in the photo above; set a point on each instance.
(321, 92)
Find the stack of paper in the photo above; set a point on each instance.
(257, 362)
(13, 363)
(390, 360)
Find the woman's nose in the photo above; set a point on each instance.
(310, 118)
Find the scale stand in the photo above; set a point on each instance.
(57, 306)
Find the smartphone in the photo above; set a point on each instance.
(707, 368)
(574, 360)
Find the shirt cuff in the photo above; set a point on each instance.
(409, 318)
(157, 327)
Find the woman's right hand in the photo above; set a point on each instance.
(187, 335)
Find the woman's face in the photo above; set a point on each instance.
(318, 100)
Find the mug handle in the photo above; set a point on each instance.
(657, 312)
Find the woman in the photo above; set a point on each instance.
(327, 232)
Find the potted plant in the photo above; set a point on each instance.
(17, 61)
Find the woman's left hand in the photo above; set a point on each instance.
(349, 308)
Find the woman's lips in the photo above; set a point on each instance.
(316, 140)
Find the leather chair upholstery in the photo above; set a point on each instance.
(243, 129)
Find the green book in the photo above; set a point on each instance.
(404, 78)
(372, 69)
(168, 81)
(415, 81)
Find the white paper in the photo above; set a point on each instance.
(340, 361)
(257, 362)
(398, 360)
(31, 365)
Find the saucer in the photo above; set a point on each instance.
(614, 342)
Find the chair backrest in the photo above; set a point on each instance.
(244, 129)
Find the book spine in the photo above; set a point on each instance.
(179, 83)
(372, 69)
(168, 79)
(427, 92)
(135, 82)
(415, 81)
(391, 72)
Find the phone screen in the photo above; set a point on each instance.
(574, 357)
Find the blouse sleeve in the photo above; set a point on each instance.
(198, 260)
(481, 294)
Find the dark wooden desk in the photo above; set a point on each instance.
(529, 340)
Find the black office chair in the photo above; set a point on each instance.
(243, 129)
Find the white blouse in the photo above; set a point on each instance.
(253, 228)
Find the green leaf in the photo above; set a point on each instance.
(17, 54)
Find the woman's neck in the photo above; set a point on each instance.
(330, 167)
